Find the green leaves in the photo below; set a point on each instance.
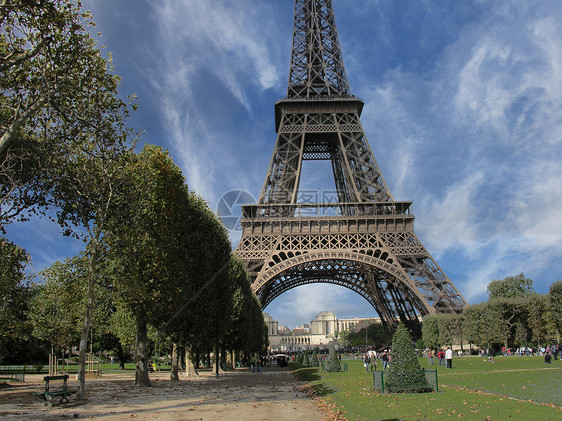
(405, 374)
(511, 287)
(555, 305)
(59, 108)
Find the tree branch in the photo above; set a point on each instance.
(6, 63)
(9, 137)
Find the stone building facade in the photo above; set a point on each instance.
(325, 328)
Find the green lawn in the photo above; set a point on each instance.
(511, 388)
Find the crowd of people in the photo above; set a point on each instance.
(370, 358)
(444, 356)
(553, 350)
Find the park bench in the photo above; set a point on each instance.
(47, 395)
(13, 372)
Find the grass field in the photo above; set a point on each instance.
(511, 388)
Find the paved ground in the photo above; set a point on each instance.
(240, 395)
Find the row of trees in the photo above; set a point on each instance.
(155, 254)
(514, 316)
(373, 335)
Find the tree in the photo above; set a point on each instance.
(405, 374)
(450, 329)
(239, 336)
(511, 287)
(377, 333)
(84, 186)
(536, 308)
(146, 246)
(473, 324)
(56, 308)
(314, 359)
(333, 362)
(305, 359)
(53, 79)
(430, 331)
(122, 325)
(555, 305)
(60, 105)
(15, 330)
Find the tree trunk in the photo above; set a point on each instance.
(92, 260)
(174, 370)
(190, 369)
(141, 357)
(120, 356)
(197, 359)
(224, 359)
(217, 358)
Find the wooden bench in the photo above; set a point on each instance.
(47, 395)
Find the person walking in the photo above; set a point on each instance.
(385, 360)
(449, 357)
(441, 357)
(430, 357)
(366, 361)
(253, 363)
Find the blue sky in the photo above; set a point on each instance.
(463, 111)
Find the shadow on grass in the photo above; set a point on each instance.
(304, 373)
(310, 374)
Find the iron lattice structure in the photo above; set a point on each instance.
(365, 241)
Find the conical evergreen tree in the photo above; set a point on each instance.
(333, 363)
(405, 374)
(305, 359)
(314, 359)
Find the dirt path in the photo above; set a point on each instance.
(272, 394)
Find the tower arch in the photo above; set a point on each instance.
(384, 285)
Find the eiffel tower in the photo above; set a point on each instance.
(364, 240)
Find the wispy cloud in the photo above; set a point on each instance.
(214, 50)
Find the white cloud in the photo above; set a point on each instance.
(214, 55)
(227, 39)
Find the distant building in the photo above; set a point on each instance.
(321, 331)
(272, 325)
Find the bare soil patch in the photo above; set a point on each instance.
(273, 394)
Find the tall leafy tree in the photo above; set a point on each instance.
(430, 331)
(511, 287)
(474, 324)
(235, 338)
(535, 324)
(61, 121)
(85, 182)
(14, 298)
(53, 80)
(555, 305)
(146, 245)
(56, 308)
(450, 329)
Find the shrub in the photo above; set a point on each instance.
(405, 374)
(305, 359)
(314, 359)
(333, 362)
